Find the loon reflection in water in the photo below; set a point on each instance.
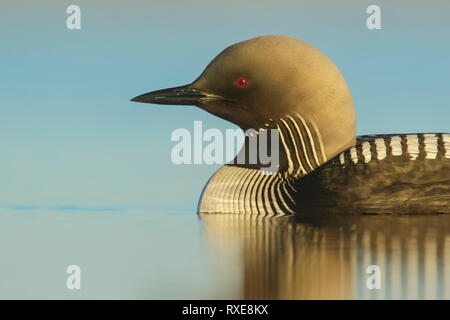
(284, 84)
(286, 259)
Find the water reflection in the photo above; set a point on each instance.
(287, 259)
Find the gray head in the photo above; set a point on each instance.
(258, 82)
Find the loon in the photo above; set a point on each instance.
(285, 84)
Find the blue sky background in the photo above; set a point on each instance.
(69, 136)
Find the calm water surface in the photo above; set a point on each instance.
(142, 254)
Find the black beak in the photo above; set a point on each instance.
(183, 95)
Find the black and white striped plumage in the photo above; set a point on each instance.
(382, 174)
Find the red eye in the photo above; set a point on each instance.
(241, 82)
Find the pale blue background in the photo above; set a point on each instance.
(71, 141)
(70, 137)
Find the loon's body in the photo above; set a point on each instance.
(285, 84)
(395, 174)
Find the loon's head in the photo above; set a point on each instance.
(257, 82)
